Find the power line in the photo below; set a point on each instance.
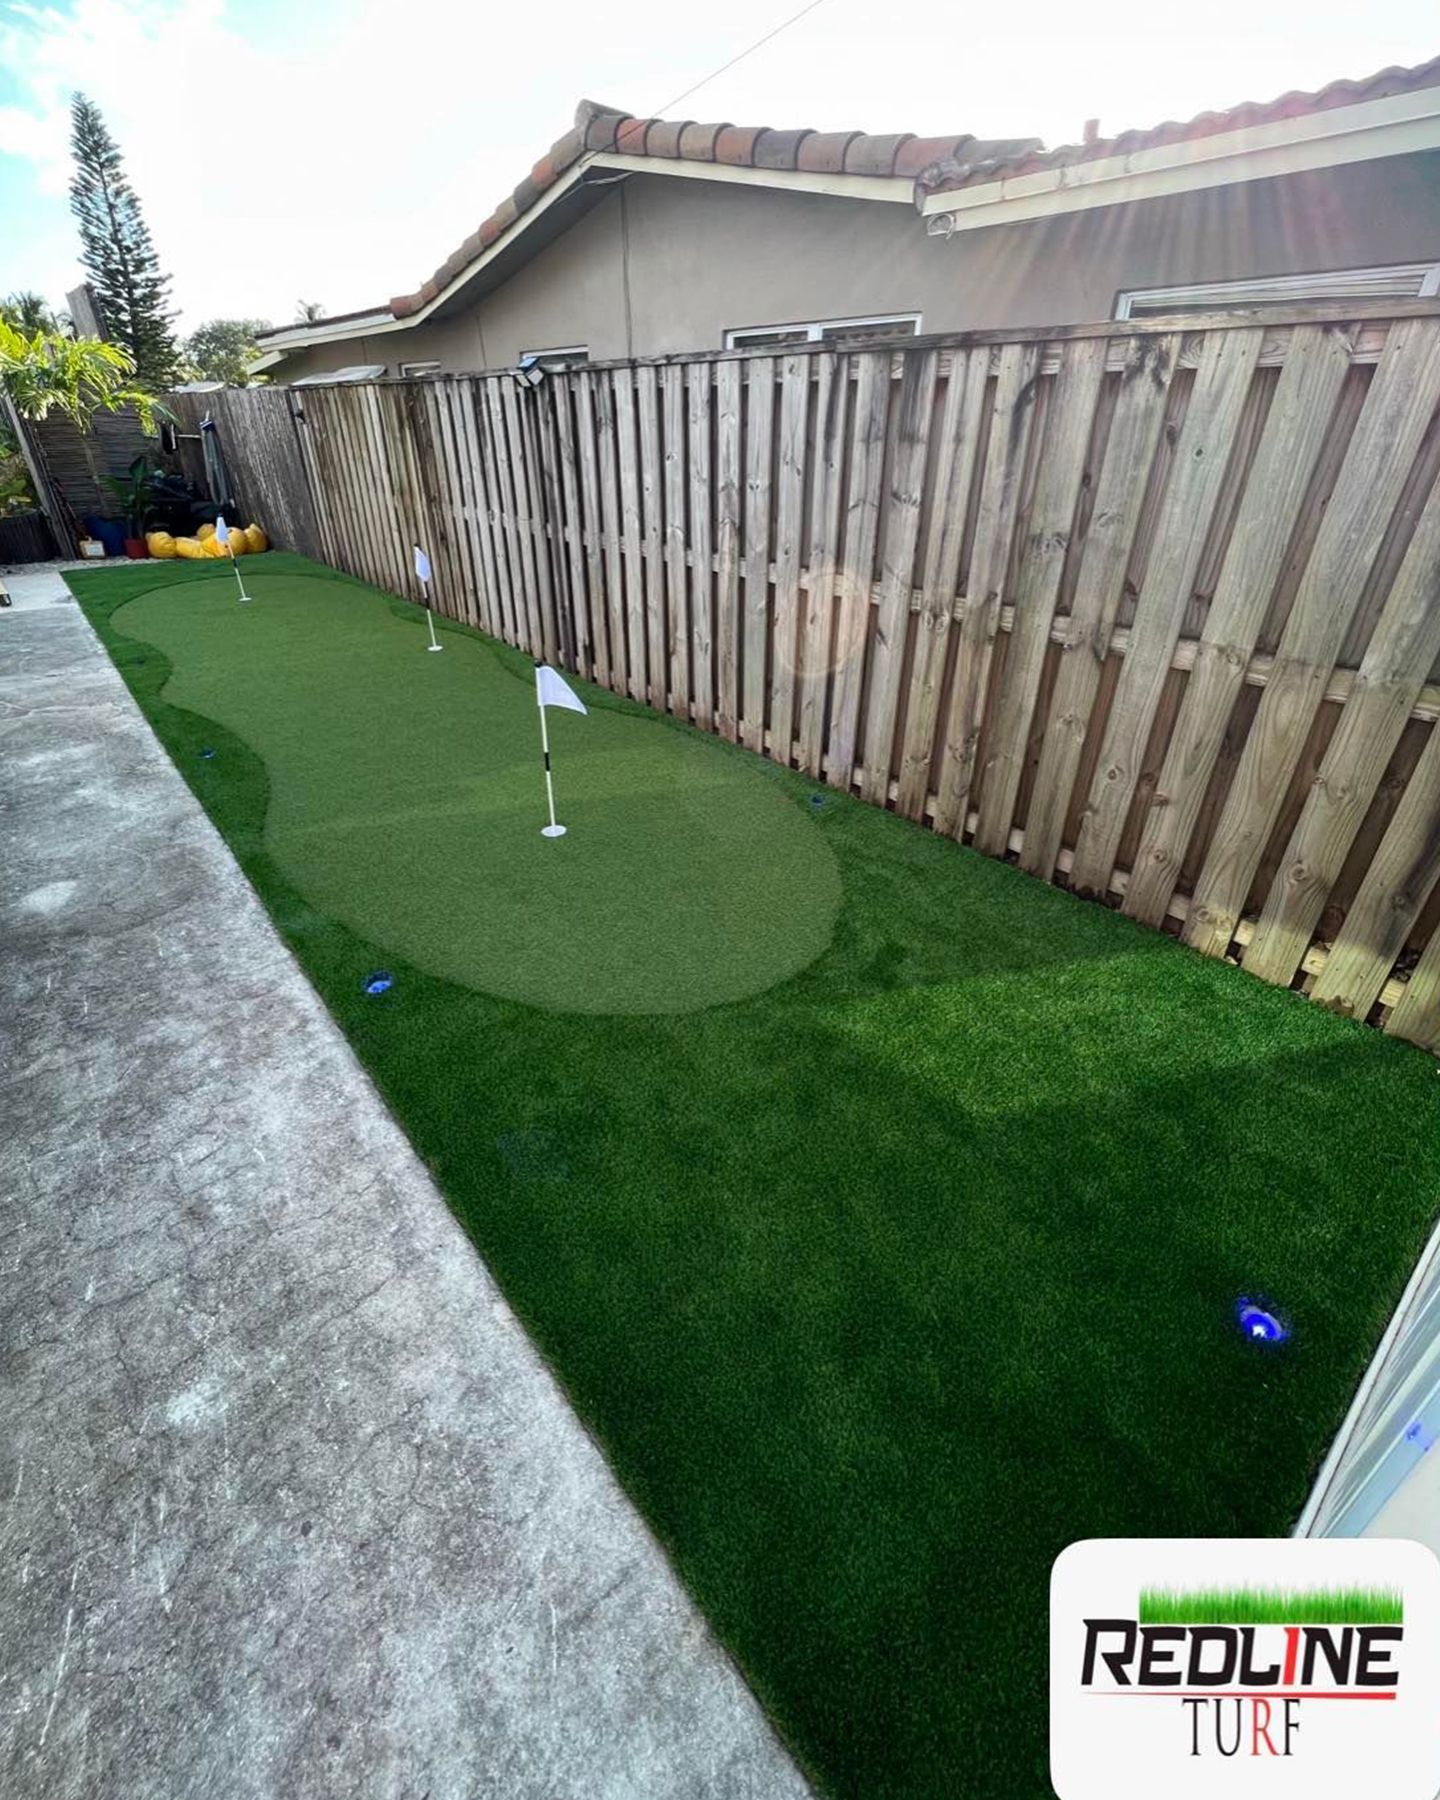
(759, 43)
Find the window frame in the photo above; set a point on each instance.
(815, 329)
(422, 366)
(1383, 281)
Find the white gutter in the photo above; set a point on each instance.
(897, 188)
(324, 330)
(1397, 126)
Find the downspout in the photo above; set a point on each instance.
(625, 273)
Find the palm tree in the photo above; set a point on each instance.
(43, 372)
(28, 311)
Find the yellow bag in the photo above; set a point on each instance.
(160, 543)
(211, 546)
(190, 548)
(255, 539)
(207, 530)
(238, 546)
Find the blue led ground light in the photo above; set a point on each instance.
(380, 982)
(206, 754)
(1259, 1324)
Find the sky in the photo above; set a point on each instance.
(338, 150)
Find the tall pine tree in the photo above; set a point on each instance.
(118, 255)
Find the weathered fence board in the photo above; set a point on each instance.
(1152, 607)
(789, 518)
(1042, 560)
(677, 645)
(827, 461)
(857, 566)
(897, 569)
(759, 441)
(1206, 439)
(955, 461)
(1011, 414)
(702, 581)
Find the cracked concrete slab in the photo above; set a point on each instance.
(288, 1504)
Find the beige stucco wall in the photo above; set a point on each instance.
(664, 264)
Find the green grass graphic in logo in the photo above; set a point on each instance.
(1271, 1606)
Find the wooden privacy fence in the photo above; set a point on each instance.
(262, 457)
(1154, 609)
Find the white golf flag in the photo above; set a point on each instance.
(222, 538)
(422, 566)
(553, 690)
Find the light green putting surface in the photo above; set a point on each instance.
(407, 799)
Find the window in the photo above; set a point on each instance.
(420, 368)
(882, 330)
(569, 357)
(1400, 281)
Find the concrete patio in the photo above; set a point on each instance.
(288, 1504)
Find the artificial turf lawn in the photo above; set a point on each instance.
(883, 1284)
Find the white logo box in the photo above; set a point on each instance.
(1307, 1708)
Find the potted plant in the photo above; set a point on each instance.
(135, 492)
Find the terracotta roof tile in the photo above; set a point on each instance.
(920, 153)
(697, 142)
(875, 155)
(600, 128)
(736, 144)
(630, 136)
(778, 149)
(567, 150)
(823, 152)
(663, 137)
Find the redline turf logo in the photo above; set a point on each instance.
(1208, 1666)
(1241, 1662)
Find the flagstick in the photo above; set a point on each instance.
(552, 829)
(239, 582)
(429, 616)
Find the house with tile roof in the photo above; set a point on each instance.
(650, 237)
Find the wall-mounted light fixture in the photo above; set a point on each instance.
(530, 371)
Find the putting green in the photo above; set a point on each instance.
(687, 878)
